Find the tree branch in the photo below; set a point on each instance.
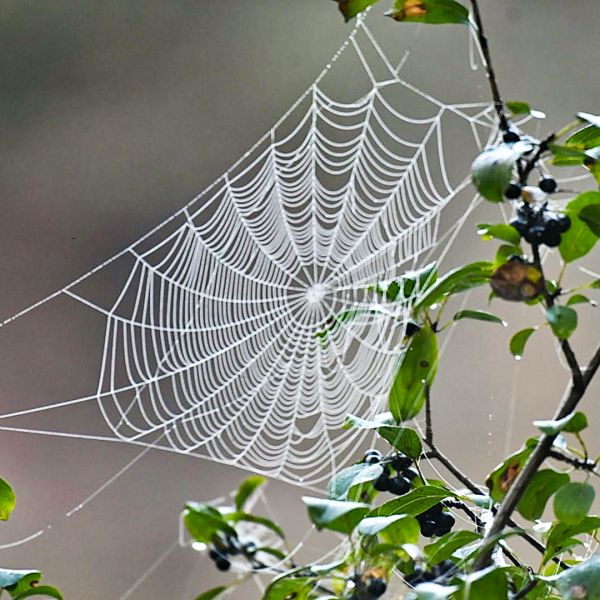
(491, 74)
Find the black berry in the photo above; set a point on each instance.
(510, 137)
(428, 528)
(215, 554)
(563, 223)
(372, 457)
(399, 485)
(376, 587)
(249, 548)
(535, 234)
(410, 474)
(382, 483)
(520, 225)
(513, 191)
(551, 238)
(222, 564)
(548, 185)
(401, 462)
(415, 577)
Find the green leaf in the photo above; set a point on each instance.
(344, 480)
(518, 341)
(272, 551)
(10, 577)
(579, 239)
(590, 215)
(431, 591)
(503, 476)
(212, 593)
(478, 315)
(505, 253)
(489, 583)
(580, 581)
(403, 439)
(236, 517)
(283, 588)
(567, 156)
(395, 529)
(506, 233)
(518, 108)
(204, 522)
(560, 534)
(415, 372)
(563, 321)
(455, 281)
(572, 423)
(586, 138)
(445, 546)
(580, 299)
(334, 514)
(7, 500)
(351, 421)
(351, 8)
(410, 284)
(543, 484)
(492, 171)
(592, 119)
(246, 489)
(414, 503)
(573, 501)
(41, 590)
(434, 12)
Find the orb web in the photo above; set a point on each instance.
(211, 346)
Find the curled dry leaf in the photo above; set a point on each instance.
(517, 280)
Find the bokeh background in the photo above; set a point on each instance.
(112, 115)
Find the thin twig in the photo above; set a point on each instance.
(526, 589)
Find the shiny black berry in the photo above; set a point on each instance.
(410, 474)
(399, 485)
(551, 238)
(382, 483)
(249, 548)
(563, 223)
(215, 554)
(513, 191)
(222, 564)
(428, 528)
(401, 462)
(510, 137)
(376, 588)
(520, 225)
(372, 457)
(548, 185)
(535, 234)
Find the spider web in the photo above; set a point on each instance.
(211, 344)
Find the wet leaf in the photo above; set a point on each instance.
(543, 484)
(517, 280)
(344, 480)
(563, 321)
(579, 239)
(573, 423)
(492, 171)
(581, 581)
(416, 371)
(519, 340)
(405, 440)
(414, 503)
(573, 501)
(334, 514)
(394, 529)
(434, 12)
(351, 8)
(445, 546)
(246, 489)
(504, 232)
(478, 315)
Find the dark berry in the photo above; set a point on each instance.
(401, 462)
(415, 577)
(513, 191)
(428, 528)
(399, 485)
(563, 223)
(444, 567)
(535, 234)
(520, 225)
(548, 185)
(410, 474)
(372, 457)
(428, 576)
(551, 238)
(215, 554)
(233, 545)
(510, 137)
(222, 564)
(445, 521)
(382, 483)
(376, 587)
(249, 548)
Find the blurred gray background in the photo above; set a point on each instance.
(112, 115)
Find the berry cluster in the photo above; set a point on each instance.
(435, 521)
(221, 551)
(374, 589)
(420, 575)
(540, 226)
(514, 191)
(399, 483)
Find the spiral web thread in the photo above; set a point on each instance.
(210, 346)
